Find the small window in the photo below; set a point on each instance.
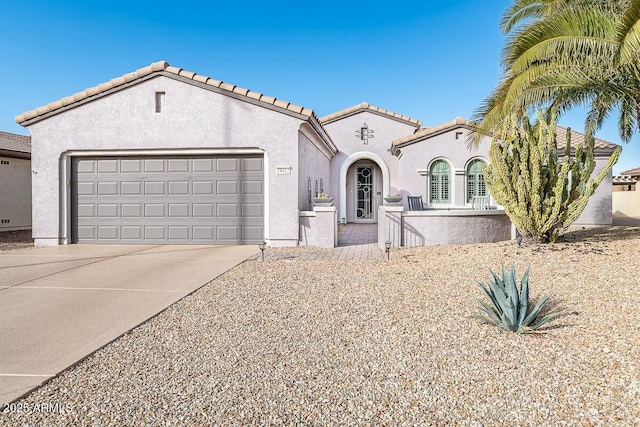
(476, 185)
(440, 190)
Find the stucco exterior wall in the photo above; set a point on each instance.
(312, 163)
(599, 208)
(451, 146)
(15, 194)
(191, 117)
(343, 134)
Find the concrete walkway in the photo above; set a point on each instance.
(355, 241)
(60, 304)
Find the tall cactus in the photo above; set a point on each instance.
(542, 194)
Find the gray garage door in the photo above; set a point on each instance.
(198, 200)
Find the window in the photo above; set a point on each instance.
(475, 180)
(440, 190)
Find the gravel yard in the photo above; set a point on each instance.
(11, 240)
(291, 342)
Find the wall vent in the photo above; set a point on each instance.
(159, 102)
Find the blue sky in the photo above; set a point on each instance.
(431, 60)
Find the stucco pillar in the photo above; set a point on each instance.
(390, 226)
(325, 227)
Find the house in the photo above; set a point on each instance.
(165, 155)
(15, 182)
(626, 198)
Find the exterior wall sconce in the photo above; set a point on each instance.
(387, 248)
(262, 245)
(364, 133)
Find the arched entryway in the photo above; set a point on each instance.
(364, 180)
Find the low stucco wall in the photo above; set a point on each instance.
(426, 228)
(626, 203)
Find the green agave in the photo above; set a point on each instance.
(509, 307)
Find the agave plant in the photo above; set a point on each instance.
(509, 307)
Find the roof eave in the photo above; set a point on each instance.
(154, 70)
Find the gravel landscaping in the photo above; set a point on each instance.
(12, 240)
(375, 342)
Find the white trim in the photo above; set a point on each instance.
(344, 168)
(65, 176)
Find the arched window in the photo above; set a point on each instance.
(440, 190)
(475, 180)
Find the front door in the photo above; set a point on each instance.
(365, 194)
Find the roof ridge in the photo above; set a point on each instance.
(366, 106)
(163, 66)
(429, 130)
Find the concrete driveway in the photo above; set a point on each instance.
(60, 304)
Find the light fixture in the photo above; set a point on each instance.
(262, 245)
(364, 133)
(387, 248)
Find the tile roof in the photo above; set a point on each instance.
(162, 66)
(579, 138)
(366, 106)
(631, 172)
(424, 133)
(561, 135)
(15, 142)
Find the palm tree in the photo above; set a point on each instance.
(564, 53)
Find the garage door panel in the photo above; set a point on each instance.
(200, 200)
(109, 210)
(180, 233)
(202, 165)
(108, 232)
(154, 232)
(131, 210)
(227, 187)
(131, 188)
(179, 187)
(226, 165)
(154, 210)
(203, 187)
(107, 188)
(251, 165)
(107, 166)
(178, 165)
(203, 210)
(131, 166)
(251, 233)
(251, 187)
(154, 165)
(85, 166)
(131, 232)
(152, 188)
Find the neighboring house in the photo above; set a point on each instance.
(15, 182)
(626, 200)
(167, 155)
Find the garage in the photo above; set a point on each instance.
(168, 199)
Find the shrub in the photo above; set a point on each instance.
(509, 307)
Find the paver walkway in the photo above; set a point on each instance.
(355, 241)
